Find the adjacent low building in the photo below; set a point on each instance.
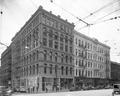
(91, 61)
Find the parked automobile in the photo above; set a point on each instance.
(116, 89)
(5, 91)
(19, 91)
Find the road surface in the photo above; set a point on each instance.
(102, 92)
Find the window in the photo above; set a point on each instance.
(71, 49)
(51, 33)
(56, 36)
(66, 59)
(66, 48)
(76, 52)
(33, 69)
(61, 46)
(62, 57)
(76, 41)
(27, 59)
(79, 43)
(37, 55)
(56, 45)
(82, 62)
(76, 72)
(79, 62)
(30, 70)
(56, 57)
(45, 55)
(44, 31)
(66, 39)
(23, 71)
(70, 59)
(71, 71)
(43, 19)
(27, 71)
(79, 72)
(56, 67)
(61, 38)
(36, 21)
(71, 41)
(50, 68)
(62, 70)
(33, 56)
(51, 56)
(44, 42)
(50, 43)
(45, 68)
(76, 61)
(30, 58)
(37, 68)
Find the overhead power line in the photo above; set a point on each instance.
(69, 13)
(3, 44)
(114, 18)
(98, 10)
(102, 20)
(106, 16)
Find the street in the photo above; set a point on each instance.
(102, 92)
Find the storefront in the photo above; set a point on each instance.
(56, 84)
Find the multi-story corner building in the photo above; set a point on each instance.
(115, 72)
(5, 70)
(42, 54)
(91, 60)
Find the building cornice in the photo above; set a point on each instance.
(40, 9)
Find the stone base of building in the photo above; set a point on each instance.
(45, 84)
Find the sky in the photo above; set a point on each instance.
(93, 12)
